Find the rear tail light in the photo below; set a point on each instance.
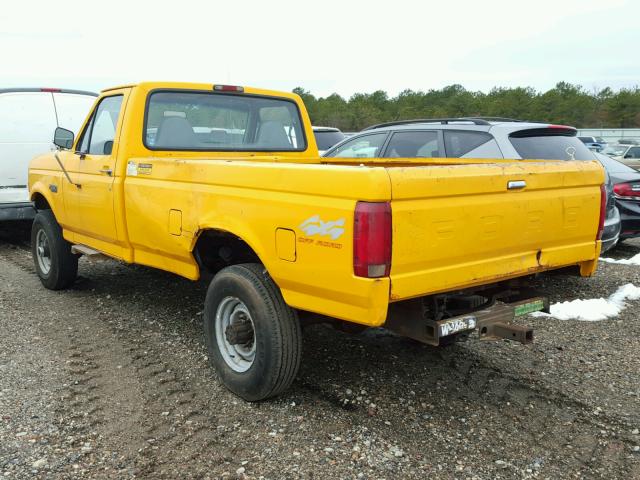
(372, 239)
(603, 211)
(627, 191)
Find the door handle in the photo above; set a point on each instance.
(516, 184)
(106, 171)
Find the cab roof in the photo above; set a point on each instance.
(155, 85)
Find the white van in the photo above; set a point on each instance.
(28, 118)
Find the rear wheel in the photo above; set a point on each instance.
(56, 266)
(252, 335)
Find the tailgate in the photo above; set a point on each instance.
(459, 226)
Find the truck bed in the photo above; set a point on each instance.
(456, 226)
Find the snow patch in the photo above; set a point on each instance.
(594, 309)
(635, 260)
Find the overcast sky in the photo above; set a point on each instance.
(324, 46)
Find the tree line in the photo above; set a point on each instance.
(565, 104)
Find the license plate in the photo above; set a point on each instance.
(525, 308)
(455, 325)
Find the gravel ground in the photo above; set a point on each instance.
(110, 380)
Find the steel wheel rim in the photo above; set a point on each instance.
(43, 252)
(232, 312)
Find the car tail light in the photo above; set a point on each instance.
(372, 239)
(603, 211)
(627, 191)
(228, 88)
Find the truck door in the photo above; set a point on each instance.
(93, 165)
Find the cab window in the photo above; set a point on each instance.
(99, 134)
(367, 146)
(209, 121)
(83, 143)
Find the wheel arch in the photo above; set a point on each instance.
(40, 201)
(216, 247)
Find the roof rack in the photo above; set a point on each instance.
(445, 121)
(501, 119)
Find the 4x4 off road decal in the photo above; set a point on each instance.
(314, 226)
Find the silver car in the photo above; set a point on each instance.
(477, 138)
(464, 138)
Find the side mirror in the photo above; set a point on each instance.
(63, 138)
(108, 147)
(628, 155)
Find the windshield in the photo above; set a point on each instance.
(327, 138)
(615, 150)
(180, 120)
(549, 144)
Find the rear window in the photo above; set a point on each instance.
(460, 142)
(179, 120)
(550, 144)
(327, 138)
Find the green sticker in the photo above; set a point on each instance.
(529, 307)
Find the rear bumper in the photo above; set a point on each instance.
(493, 321)
(17, 211)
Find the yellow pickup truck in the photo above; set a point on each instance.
(192, 177)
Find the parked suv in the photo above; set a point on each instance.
(478, 138)
(464, 138)
(28, 116)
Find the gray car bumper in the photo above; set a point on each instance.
(17, 211)
(611, 232)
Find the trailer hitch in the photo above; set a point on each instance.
(492, 322)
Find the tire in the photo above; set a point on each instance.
(251, 302)
(47, 242)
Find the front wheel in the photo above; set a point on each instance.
(56, 266)
(252, 335)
